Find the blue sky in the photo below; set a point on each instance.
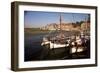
(36, 19)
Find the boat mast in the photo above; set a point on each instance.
(60, 22)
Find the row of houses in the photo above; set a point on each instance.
(67, 26)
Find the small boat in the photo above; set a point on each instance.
(53, 44)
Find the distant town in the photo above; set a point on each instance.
(78, 26)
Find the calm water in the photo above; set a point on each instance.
(33, 46)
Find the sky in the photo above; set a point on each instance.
(36, 19)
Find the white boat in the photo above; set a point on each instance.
(53, 45)
(73, 49)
